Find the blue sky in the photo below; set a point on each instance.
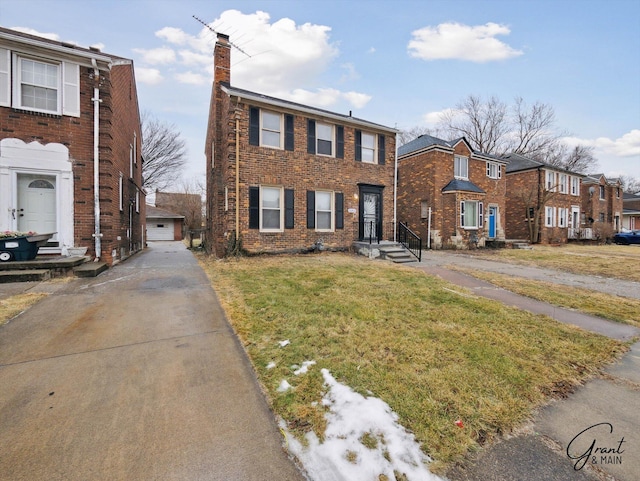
(398, 63)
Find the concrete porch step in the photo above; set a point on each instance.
(522, 245)
(397, 254)
(24, 275)
(90, 269)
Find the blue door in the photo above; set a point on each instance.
(492, 222)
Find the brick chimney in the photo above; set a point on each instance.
(222, 59)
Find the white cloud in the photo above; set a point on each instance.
(157, 56)
(149, 76)
(192, 78)
(289, 58)
(31, 31)
(431, 119)
(462, 42)
(626, 146)
(371, 50)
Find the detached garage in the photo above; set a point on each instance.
(163, 225)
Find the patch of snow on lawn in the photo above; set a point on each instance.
(271, 365)
(284, 343)
(304, 368)
(284, 386)
(342, 456)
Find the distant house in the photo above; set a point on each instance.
(631, 211)
(455, 191)
(602, 204)
(163, 225)
(287, 177)
(543, 202)
(190, 206)
(70, 143)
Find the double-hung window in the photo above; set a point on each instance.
(324, 139)
(551, 181)
(368, 148)
(575, 185)
(324, 210)
(562, 183)
(562, 217)
(471, 214)
(271, 129)
(271, 209)
(549, 216)
(494, 170)
(39, 85)
(602, 192)
(461, 167)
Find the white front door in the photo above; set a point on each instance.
(37, 207)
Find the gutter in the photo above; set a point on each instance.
(97, 235)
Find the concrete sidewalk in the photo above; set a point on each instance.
(135, 374)
(605, 410)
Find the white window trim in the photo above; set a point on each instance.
(602, 192)
(281, 207)
(332, 210)
(17, 84)
(563, 183)
(498, 170)
(137, 200)
(549, 210)
(135, 148)
(550, 181)
(332, 139)
(479, 217)
(374, 150)
(562, 217)
(281, 132)
(131, 161)
(121, 192)
(457, 159)
(575, 185)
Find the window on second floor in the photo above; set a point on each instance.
(49, 86)
(602, 192)
(575, 185)
(494, 170)
(562, 183)
(551, 181)
(271, 129)
(370, 148)
(461, 167)
(325, 139)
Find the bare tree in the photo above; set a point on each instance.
(630, 185)
(407, 135)
(492, 127)
(187, 201)
(535, 202)
(164, 153)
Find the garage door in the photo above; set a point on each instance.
(160, 230)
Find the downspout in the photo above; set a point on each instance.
(97, 235)
(395, 192)
(237, 115)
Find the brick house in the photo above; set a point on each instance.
(602, 205)
(543, 201)
(285, 177)
(70, 147)
(457, 192)
(631, 211)
(163, 225)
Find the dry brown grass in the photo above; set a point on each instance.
(620, 262)
(432, 351)
(14, 305)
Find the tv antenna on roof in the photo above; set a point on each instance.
(230, 42)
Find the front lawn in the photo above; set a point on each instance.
(434, 352)
(620, 262)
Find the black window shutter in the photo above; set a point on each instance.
(254, 126)
(311, 209)
(311, 136)
(288, 208)
(339, 210)
(381, 152)
(359, 145)
(254, 207)
(288, 132)
(340, 142)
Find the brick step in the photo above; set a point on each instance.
(24, 275)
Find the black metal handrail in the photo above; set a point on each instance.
(410, 240)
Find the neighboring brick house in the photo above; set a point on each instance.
(63, 111)
(285, 177)
(543, 201)
(602, 203)
(631, 211)
(463, 191)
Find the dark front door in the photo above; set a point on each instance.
(370, 227)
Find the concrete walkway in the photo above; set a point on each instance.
(135, 374)
(605, 410)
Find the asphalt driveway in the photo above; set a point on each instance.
(135, 374)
